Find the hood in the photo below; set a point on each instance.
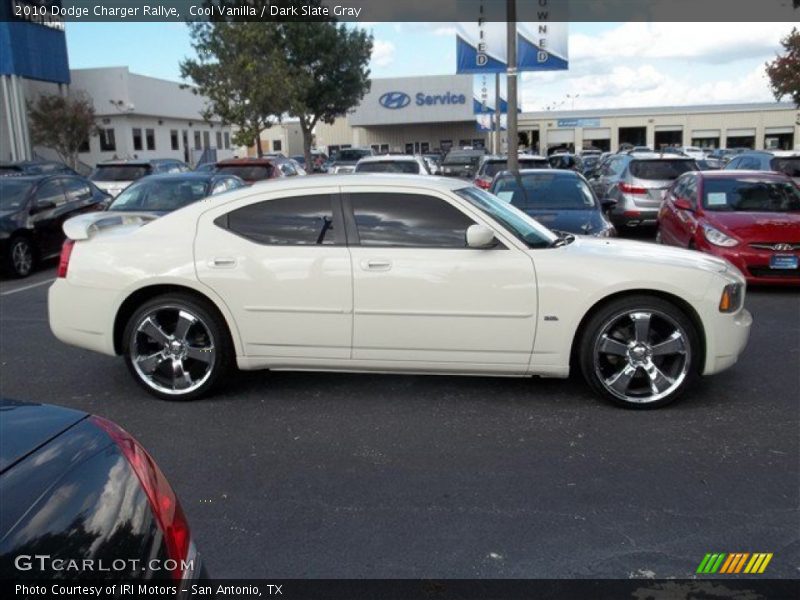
(758, 226)
(617, 249)
(580, 222)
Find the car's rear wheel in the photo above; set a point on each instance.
(640, 352)
(21, 257)
(177, 347)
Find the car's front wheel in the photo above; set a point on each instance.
(640, 352)
(177, 347)
(21, 257)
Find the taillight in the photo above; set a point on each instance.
(63, 261)
(163, 502)
(631, 189)
(482, 183)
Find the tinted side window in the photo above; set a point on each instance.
(408, 220)
(750, 162)
(77, 190)
(300, 221)
(51, 191)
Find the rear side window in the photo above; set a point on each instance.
(77, 190)
(790, 165)
(299, 221)
(408, 220)
(120, 172)
(660, 170)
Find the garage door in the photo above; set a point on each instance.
(560, 136)
(597, 133)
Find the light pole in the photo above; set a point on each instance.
(573, 97)
(513, 139)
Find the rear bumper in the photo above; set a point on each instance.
(81, 316)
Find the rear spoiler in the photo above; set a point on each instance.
(85, 226)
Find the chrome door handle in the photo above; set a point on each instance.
(222, 262)
(376, 265)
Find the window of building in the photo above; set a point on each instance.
(173, 139)
(107, 141)
(198, 144)
(150, 138)
(84, 147)
(298, 221)
(137, 138)
(463, 143)
(277, 146)
(227, 140)
(219, 139)
(408, 220)
(206, 139)
(445, 145)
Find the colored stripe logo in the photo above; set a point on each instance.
(735, 562)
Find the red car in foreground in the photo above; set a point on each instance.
(750, 218)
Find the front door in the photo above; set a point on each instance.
(282, 268)
(425, 300)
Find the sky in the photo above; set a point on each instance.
(612, 65)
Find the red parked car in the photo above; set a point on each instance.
(257, 169)
(750, 218)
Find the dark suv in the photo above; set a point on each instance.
(781, 161)
(636, 184)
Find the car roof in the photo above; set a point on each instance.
(368, 179)
(389, 158)
(250, 160)
(740, 173)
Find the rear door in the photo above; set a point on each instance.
(425, 300)
(48, 211)
(280, 262)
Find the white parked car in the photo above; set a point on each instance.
(393, 163)
(390, 273)
(694, 152)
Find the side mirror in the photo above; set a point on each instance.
(480, 236)
(42, 205)
(683, 204)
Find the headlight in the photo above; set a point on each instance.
(732, 298)
(716, 237)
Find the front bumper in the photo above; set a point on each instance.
(729, 338)
(754, 264)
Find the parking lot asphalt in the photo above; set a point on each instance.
(292, 475)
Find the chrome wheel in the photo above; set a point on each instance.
(22, 257)
(641, 356)
(172, 350)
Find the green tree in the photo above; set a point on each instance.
(62, 123)
(327, 63)
(784, 71)
(242, 73)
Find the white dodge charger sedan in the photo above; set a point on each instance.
(394, 274)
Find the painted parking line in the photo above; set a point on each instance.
(27, 287)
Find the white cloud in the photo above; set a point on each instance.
(382, 53)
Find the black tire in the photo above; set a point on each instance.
(602, 361)
(208, 326)
(20, 246)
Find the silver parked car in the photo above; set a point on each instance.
(636, 184)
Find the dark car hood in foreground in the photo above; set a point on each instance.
(24, 427)
(583, 222)
(759, 226)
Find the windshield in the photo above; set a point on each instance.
(120, 172)
(546, 191)
(247, 172)
(661, 170)
(515, 221)
(351, 155)
(790, 165)
(159, 195)
(387, 166)
(750, 195)
(13, 193)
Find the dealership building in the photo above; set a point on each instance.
(432, 114)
